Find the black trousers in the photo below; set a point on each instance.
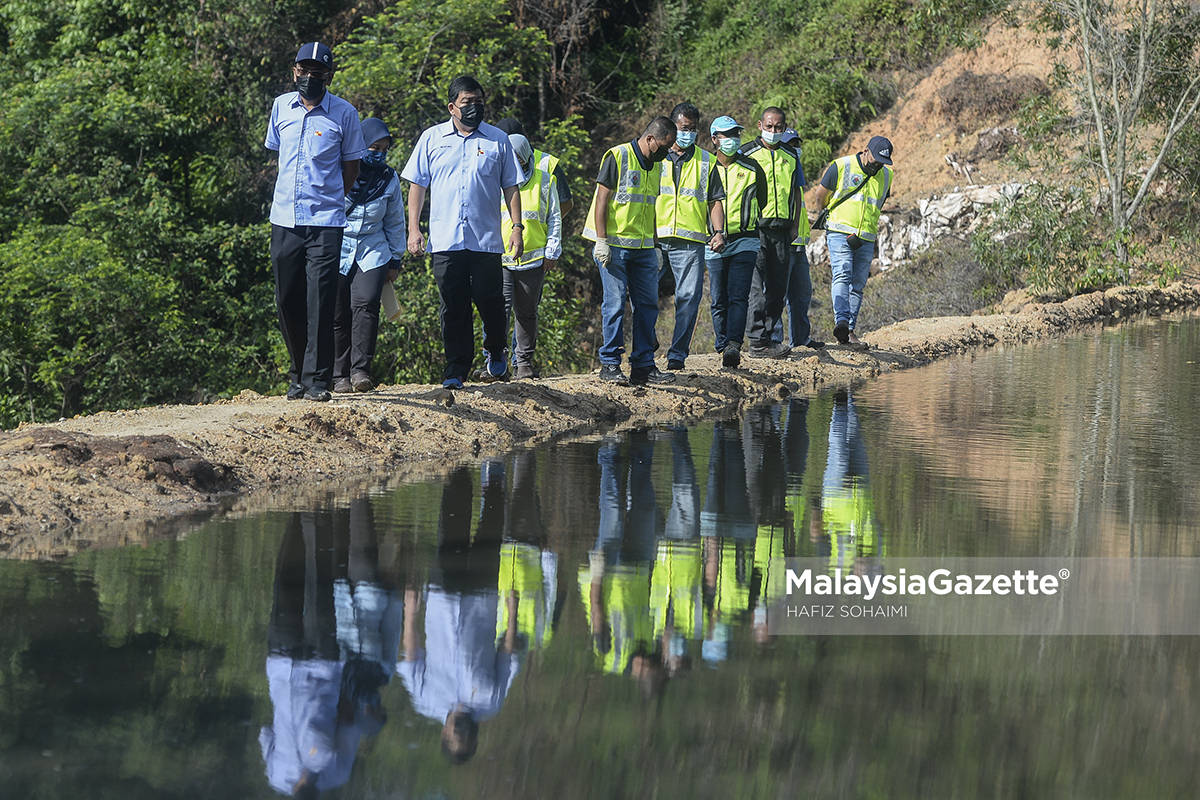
(356, 320)
(463, 277)
(305, 262)
(768, 290)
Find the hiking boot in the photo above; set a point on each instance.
(732, 356)
(775, 350)
(841, 332)
(640, 376)
(611, 373)
(342, 386)
(525, 372)
(674, 364)
(361, 382)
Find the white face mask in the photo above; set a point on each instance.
(771, 137)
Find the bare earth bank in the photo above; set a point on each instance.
(111, 478)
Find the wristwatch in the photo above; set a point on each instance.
(520, 225)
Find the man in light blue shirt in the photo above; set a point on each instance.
(466, 166)
(319, 142)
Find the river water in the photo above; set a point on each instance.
(586, 621)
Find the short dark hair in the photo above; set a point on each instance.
(660, 128)
(463, 84)
(687, 111)
(774, 110)
(511, 125)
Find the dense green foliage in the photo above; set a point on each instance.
(133, 257)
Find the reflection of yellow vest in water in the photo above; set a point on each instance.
(625, 599)
(630, 218)
(677, 588)
(521, 572)
(734, 567)
(848, 518)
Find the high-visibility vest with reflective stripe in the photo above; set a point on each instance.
(682, 210)
(740, 181)
(545, 161)
(804, 234)
(630, 216)
(858, 214)
(535, 211)
(780, 165)
(677, 588)
(521, 574)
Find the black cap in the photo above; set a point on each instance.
(881, 148)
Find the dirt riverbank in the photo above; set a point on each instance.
(128, 476)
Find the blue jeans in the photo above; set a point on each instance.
(851, 268)
(633, 273)
(686, 260)
(729, 284)
(799, 295)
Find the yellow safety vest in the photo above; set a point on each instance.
(740, 181)
(535, 214)
(804, 233)
(545, 160)
(780, 165)
(682, 210)
(858, 214)
(677, 588)
(630, 216)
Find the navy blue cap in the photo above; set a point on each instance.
(315, 51)
(881, 148)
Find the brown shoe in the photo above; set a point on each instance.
(361, 382)
(342, 386)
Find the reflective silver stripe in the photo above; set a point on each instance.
(682, 233)
(528, 257)
(544, 162)
(695, 194)
(534, 214)
(666, 188)
(834, 227)
(626, 197)
(621, 241)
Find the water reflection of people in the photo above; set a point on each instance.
(727, 525)
(677, 580)
(332, 638)
(528, 570)
(462, 675)
(615, 584)
(847, 510)
(786, 505)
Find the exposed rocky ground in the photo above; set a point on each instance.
(120, 477)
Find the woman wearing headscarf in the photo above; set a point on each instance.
(373, 242)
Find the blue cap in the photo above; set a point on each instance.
(724, 125)
(315, 51)
(790, 136)
(374, 129)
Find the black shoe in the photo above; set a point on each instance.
(777, 350)
(611, 373)
(295, 391)
(318, 394)
(674, 364)
(841, 332)
(361, 382)
(732, 356)
(640, 376)
(814, 344)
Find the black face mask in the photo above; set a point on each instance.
(311, 87)
(472, 115)
(873, 168)
(659, 154)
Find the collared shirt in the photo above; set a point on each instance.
(461, 665)
(375, 230)
(607, 176)
(312, 146)
(465, 176)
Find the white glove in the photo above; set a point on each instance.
(658, 252)
(602, 253)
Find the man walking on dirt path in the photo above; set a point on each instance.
(621, 221)
(689, 206)
(319, 142)
(466, 166)
(854, 188)
(778, 227)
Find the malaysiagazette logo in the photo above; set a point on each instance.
(939, 582)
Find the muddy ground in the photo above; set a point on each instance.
(130, 476)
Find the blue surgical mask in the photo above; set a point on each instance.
(685, 139)
(729, 146)
(771, 137)
(374, 158)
